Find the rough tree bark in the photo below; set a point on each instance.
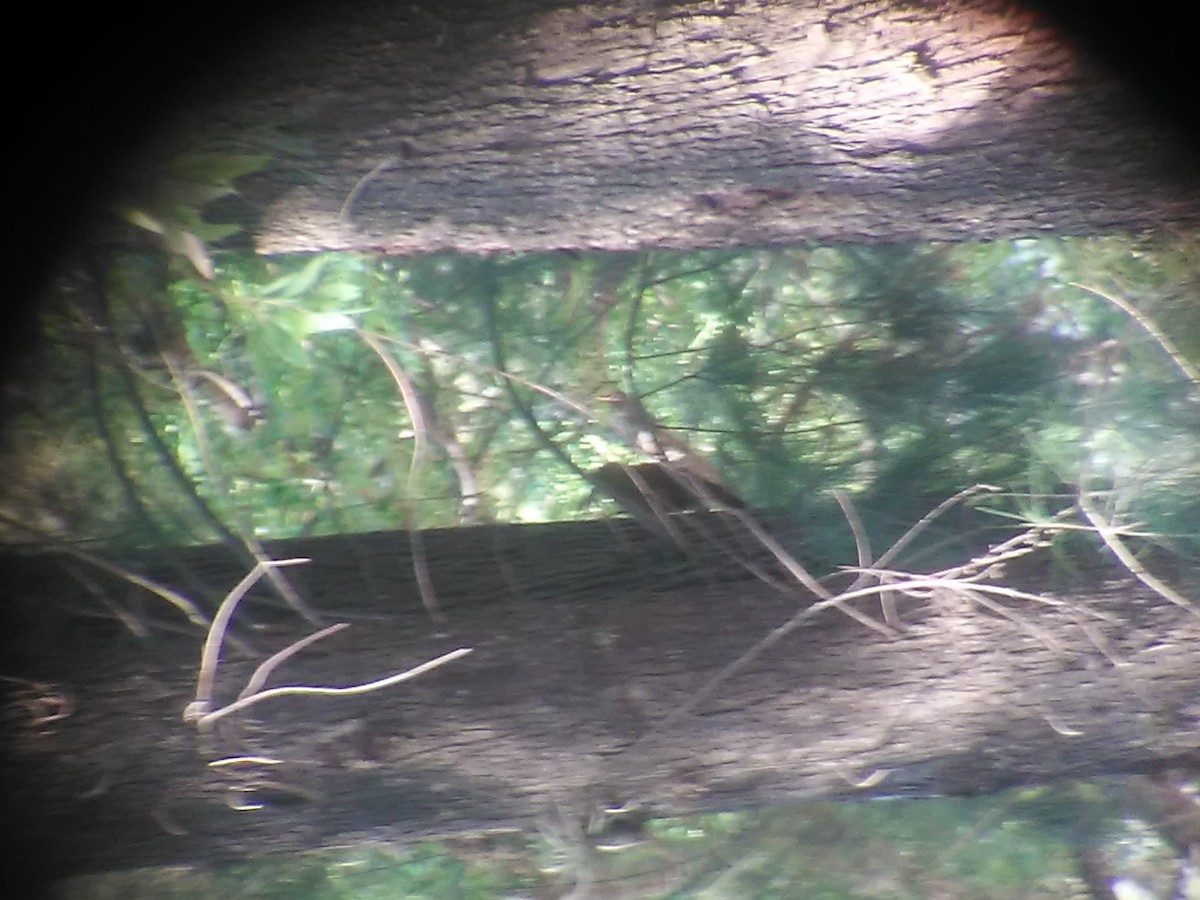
(530, 125)
(535, 125)
(586, 638)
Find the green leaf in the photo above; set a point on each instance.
(317, 322)
(297, 284)
(341, 291)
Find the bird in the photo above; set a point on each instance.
(631, 420)
(662, 490)
(675, 479)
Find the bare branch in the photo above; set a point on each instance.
(789, 562)
(1190, 372)
(126, 618)
(862, 542)
(420, 423)
(1110, 534)
(903, 583)
(200, 711)
(293, 690)
(909, 536)
(176, 599)
(211, 653)
(360, 185)
(263, 672)
(245, 761)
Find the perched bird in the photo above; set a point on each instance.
(676, 479)
(630, 419)
(660, 489)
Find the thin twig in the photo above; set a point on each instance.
(905, 585)
(416, 413)
(188, 399)
(1110, 535)
(1022, 544)
(660, 520)
(292, 690)
(282, 586)
(125, 617)
(906, 582)
(533, 385)
(263, 672)
(909, 536)
(96, 402)
(211, 653)
(246, 547)
(977, 596)
(245, 761)
(862, 543)
(802, 575)
(1190, 372)
(360, 185)
(176, 599)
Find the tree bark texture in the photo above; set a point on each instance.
(588, 640)
(535, 125)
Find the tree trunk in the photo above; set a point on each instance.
(536, 125)
(589, 641)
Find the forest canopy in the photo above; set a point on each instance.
(201, 396)
(338, 392)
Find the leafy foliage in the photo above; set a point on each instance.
(342, 392)
(947, 848)
(257, 398)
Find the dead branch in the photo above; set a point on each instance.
(367, 687)
(211, 653)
